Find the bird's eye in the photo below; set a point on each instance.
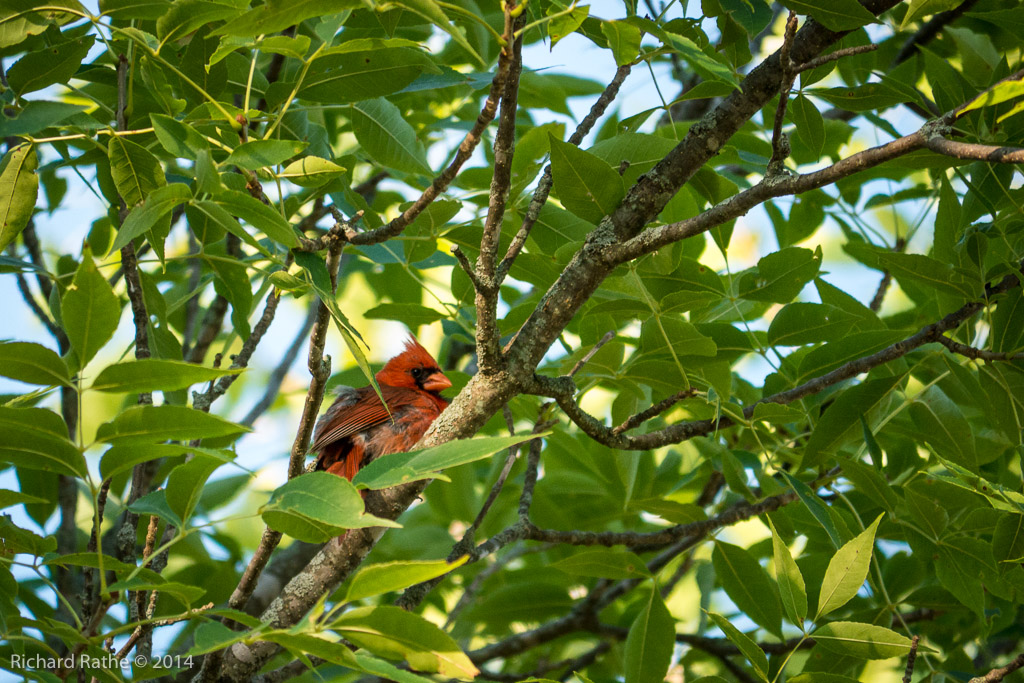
(417, 373)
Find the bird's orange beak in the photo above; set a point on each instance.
(437, 382)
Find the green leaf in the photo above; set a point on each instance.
(185, 484)
(623, 39)
(256, 154)
(258, 215)
(9, 498)
(151, 374)
(48, 65)
(187, 594)
(604, 563)
(213, 635)
(354, 76)
(19, 187)
(399, 468)
(565, 24)
(791, 581)
(432, 12)
(747, 585)
(185, 16)
(135, 170)
(154, 207)
(134, 9)
(317, 506)
(37, 439)
(649, 645)
(179, 139)
(377, 579)
(841, 421)
(804, 323)
(816, 507)
(394, 633)
(781, 275)
(303, 644)
(120, 459)
(387, 137)
(846, 571)
(275, 15)
(38, 115)
(90, 311)
(942, 277)
(412, 315)
(32, 364)
(871, 96)
(149, 424)
(810, 125)
(870, 482)
(311, 171)
(586, 185)
(217, 217)
(861, 640)
(821, 677)
(18, 540)
(387, 670)
(155, 503)
(750, 649)
(841, 15)
(922, 8)
(1008, 539)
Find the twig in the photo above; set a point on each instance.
(608, 336)
(513, 453)
(836, 55)
(977, 152)
(320, 369)
(930, 30)
(466, 266)
(488, 351)
(415, 594)
(978, 354)
(540, 195)
(276, 379)
(208, 329)
(780, 145)
(658, 408)
(202, 401)
(478, 581)
(137, 633)
(996, 675)
(395, 227)
(213, 319)
(911, 658)
(883, 285)
(563, 388)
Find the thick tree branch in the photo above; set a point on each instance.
(645, 200)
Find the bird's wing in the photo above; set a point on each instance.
(350, 414)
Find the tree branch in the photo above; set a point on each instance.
(996, 675)
(540, 194)
(395, 227)
(489, 360)
(276, 379)
(562, 389)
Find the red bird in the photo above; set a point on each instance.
(356, 428)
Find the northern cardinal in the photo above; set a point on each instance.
(356, 428)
